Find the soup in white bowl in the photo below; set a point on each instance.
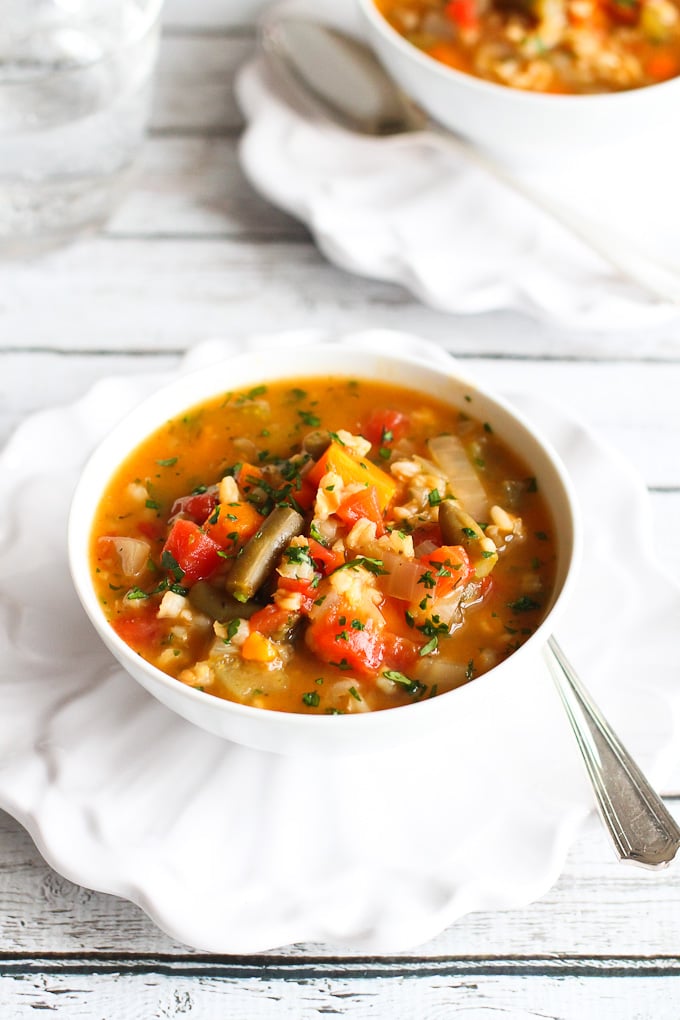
(300, 556)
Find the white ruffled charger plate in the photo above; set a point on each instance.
(231, 850)
(402, 209)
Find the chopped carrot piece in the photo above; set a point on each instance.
(351, 471)
(232, 524)
(662, 65)
(258, 648)
(445, 53)
(248, 476)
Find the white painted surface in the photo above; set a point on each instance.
(193, 252)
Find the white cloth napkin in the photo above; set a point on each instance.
(405, 209)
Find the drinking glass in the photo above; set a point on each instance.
(75, 91)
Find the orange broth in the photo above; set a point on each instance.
(349, 643)
(554, 46)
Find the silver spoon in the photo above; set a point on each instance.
(335, 75)
(639, 824)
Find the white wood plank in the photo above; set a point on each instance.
(195, 187)
(193, 86)
(171, 293)
(598, 908)
(309, 994)
(206, 14)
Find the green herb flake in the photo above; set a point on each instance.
(309, 418)
(232, 630)
(170, 563)
(152, 504)
(311, 698)
(524, 604)
(355, 694)
(434, 498)
(167, 461)
(430, 647)
(410, 686)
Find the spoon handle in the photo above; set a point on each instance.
(641, 828)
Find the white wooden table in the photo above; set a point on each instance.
(191, 253)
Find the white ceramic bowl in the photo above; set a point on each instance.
(517, 127)
(297, 733)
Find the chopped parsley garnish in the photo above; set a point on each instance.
(167, 461)
(355, 694)
(410, 686)
(311, 698)
(524, 604)
(469, 532)
(434, 498)
(374, 566)
(171, 564)
(232, 630)
(309, 418)
(427, 579)
(430, 647)
(152, 504)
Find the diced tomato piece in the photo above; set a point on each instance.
(385, 427)
(141, 630)
(195, 506)
(449, 566)
(462, 12)
(304, 493)
(337, 639)
(269, 620)
(232, 525)
(400, 653)
(302, 587)
(196, 553)
(362, 505)
(152, 530)
(326, 559)
(430, 532)
(625, 12)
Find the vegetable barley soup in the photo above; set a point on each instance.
(324, 546)
(574, 46)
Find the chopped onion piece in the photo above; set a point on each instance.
(132, 552)
(401, 579)
(449, 453)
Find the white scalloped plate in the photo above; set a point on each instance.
(403, 210)
(235, 851)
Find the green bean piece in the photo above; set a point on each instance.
(316, 443)
(217, 604)
(261, 553)
(449, 523)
